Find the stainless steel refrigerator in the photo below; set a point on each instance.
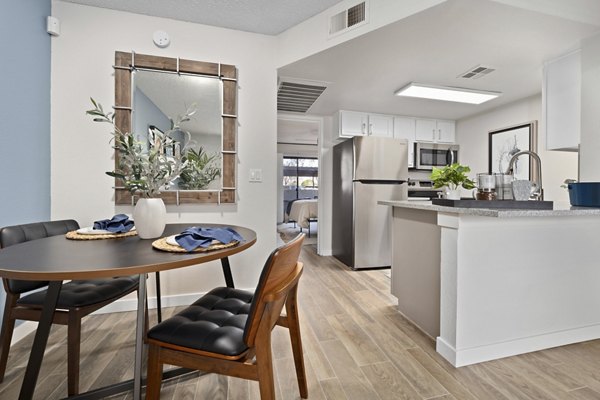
(366, 169)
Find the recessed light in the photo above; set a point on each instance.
(446, 93)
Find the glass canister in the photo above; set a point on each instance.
(503, 186)
(486, 187)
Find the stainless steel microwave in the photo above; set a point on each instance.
(429, 155)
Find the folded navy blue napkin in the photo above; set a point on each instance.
(120, 223)
(195, 237)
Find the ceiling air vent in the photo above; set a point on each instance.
(298, 95)
(476, 72)
(348, 18)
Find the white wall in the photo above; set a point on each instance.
(590, 109)
(327, 140)
(82, 59)
(298, 150)
(472, 135)
(312, 35)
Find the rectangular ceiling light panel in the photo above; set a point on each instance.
(446, 93)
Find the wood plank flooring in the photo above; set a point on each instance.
(357, 347)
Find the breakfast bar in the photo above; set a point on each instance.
(497, 282)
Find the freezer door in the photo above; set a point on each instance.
(372, 224)
(380, 158)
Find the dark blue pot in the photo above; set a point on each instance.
(584, 194)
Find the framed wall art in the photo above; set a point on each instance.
(506, 142)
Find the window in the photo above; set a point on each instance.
(300, 179)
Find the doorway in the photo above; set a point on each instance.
(298, 158)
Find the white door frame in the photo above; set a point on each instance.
(319, 122)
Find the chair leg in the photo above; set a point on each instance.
(73, 353)
(291, 307)
(154, 375)
(264, 365)
(8, 326)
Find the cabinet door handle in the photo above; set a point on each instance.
(370, 129)
(439, 134)
(362, 129)
(433, 131)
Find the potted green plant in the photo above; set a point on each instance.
(453, 177)
(144, 168)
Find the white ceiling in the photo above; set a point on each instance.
(269, 17)
(434, 47)
(431, 47)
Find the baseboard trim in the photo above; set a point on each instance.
(494, 351)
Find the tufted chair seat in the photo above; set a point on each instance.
(228, 331)
(214, 323)
(84, 293)
(76, 299)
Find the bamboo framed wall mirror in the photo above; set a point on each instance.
(151, 90)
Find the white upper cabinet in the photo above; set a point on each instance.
(356, 123)
(561, 99)
(436, 131)
(381, 125)
(404, 128)
(353, 123)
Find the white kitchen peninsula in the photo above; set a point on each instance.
(493, 283)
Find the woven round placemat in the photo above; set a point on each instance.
(73, 235)
(161, 244)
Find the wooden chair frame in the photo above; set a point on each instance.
(257, 362)
(70, 317)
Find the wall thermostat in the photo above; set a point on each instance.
(161, 39)
(53, 26)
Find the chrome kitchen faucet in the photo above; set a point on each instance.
(538, 194)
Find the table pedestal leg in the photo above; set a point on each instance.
(139, 339)
(41, 339)
(158, 298)
(227, 272)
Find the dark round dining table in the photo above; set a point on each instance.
(57, 258)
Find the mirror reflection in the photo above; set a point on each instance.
(158, 97)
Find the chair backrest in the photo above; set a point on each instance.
(12, 235)
(280, 273)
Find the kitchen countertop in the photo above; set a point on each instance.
(560, 209)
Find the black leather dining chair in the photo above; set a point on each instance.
(228, 331)
(76, 300)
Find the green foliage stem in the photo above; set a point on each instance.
(144, 171)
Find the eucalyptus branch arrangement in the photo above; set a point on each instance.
(452, 176)
(143, 170)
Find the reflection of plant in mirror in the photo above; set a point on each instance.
(200, 169)
(141, 170)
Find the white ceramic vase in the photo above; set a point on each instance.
(149, 216)
(453, 194)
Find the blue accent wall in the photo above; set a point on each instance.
(24, 113)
